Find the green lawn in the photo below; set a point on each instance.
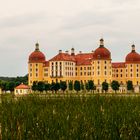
(69, 118)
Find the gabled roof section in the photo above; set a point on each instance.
(118, 65)
(22, 86)
(63, 57)
(84, 58)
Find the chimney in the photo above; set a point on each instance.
(67, 52)
(80, 52)
(60, 51)
(72, 51)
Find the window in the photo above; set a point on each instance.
(81, 68)
(105, 62)
(36, 65)
(105, 67)
(105, 73)
(81, 73)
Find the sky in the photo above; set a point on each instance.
(63, 24)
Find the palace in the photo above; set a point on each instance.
(96, 65)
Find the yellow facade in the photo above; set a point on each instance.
(99, 69)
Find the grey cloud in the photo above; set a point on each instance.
(22, 20)
(87, 19)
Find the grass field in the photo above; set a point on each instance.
(70, 118)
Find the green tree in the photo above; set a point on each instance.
(105, 86)
(56, 87)
(77, 86)
(40, 86)
(70, 85)
(91, 85)
(35, 86)
(82, 85)
(4, 85)
(11, 86)
(52, 86)
(130, 86)
(87, 86)
(63, 85)
(47, 87)
(115, 85)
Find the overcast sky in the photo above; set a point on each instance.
(61, 24)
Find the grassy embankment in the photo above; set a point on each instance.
(91, 117)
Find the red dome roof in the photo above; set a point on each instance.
(102, 52)
(133, 56)
(36, 56)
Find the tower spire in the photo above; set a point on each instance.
(101, 42)
(133, 48)
(37, 46)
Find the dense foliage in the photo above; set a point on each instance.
(70, 118)
(115, 85)
(105, 86)
(9, 83)
(130, 85)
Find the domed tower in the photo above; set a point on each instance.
(35, 65)
(132, 61)
(102, 70)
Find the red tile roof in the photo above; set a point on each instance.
(132, 57)
(22, 86)
(63, 57)
(46, 64)
(118, 65)
(84, 58)
(80, 59)
(36, 57)
(102, 53)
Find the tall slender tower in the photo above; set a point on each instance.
(35, 65)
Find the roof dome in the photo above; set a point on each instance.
(133, 56)
(101, 52)
(37, 55)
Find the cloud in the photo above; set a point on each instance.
(21, 20)
(63, 24)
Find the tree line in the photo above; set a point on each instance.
(77, 86)
(9, 83)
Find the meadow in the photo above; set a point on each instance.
(92, 117)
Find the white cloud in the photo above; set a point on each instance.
(61, 24)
